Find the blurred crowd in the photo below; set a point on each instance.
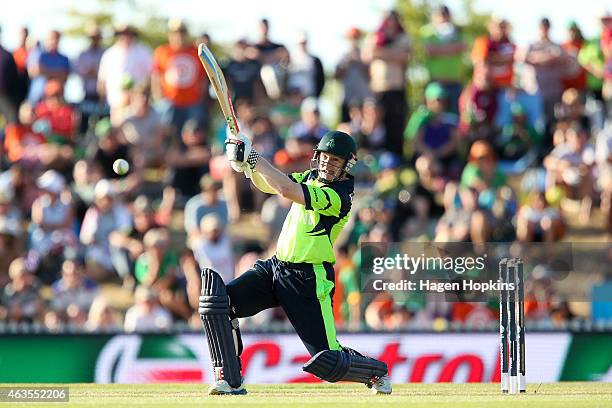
(508, 155)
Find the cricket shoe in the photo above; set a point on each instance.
(382, 385)
(221, 387)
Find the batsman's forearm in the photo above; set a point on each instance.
(280, 182)
(260, 182)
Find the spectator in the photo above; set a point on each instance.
(444, 49)
(544, 70)
(53, 321)
(353, 73)
(606, 48)
(52, 223)
(483, 176)
(570, 165)
(144, 130)
(8, 200)
(355, 119)
(591, 58)
(460, 220)
(22, 185)
(11, 245)
(20, 54)
(86, 175)
(212, 247)
(37, 82)
(110, 146)
(73, 288)
(101, 317)
(363, 223)
(105, 215)
(274, 59)
(21, 143)
(61, 117)
(146, 314)
(157, 266)
(246, 111)
(126, 57)
(188, 159)
(50, 65)
(242, 73)
(347, 295)
(388, 53)
(203, 38)
(127, 247)
(9, 81)
(273, 213)
(75, 317)
(603, 157)
(437, 136)
(88, 63)
(53, 64)
(478, 105)
(296, 155)
(265, 136)
(571, 109)
(410, 203)
(482, 172)
(306, 70)
(21, 297)
(207, 202)
(517, 138)
(287, 112)
(538, 221)
(385, 313)
(178, 77)
(495, 51)
(371, 133)
(310, 125)
(575, 75)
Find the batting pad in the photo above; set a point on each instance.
(214, 313)
(336, 365)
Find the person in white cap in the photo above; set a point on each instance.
(147, 314)
(126, 57)
(103, 217)
(212, 247)
(306, 70)
(53, 218)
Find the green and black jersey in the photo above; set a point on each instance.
(310, 230)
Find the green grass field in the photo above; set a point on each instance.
(574, 395)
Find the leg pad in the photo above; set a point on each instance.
(214, 313)
(336, 365)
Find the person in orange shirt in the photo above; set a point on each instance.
(497, 52)
(21, 143)
(21, 53)
(178, 78)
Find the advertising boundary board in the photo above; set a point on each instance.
(278, 358)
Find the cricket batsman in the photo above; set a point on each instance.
(299, 277)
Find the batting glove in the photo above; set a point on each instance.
(238, 149)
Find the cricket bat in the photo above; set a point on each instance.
(215, 75)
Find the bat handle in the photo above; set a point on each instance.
(232, 123)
